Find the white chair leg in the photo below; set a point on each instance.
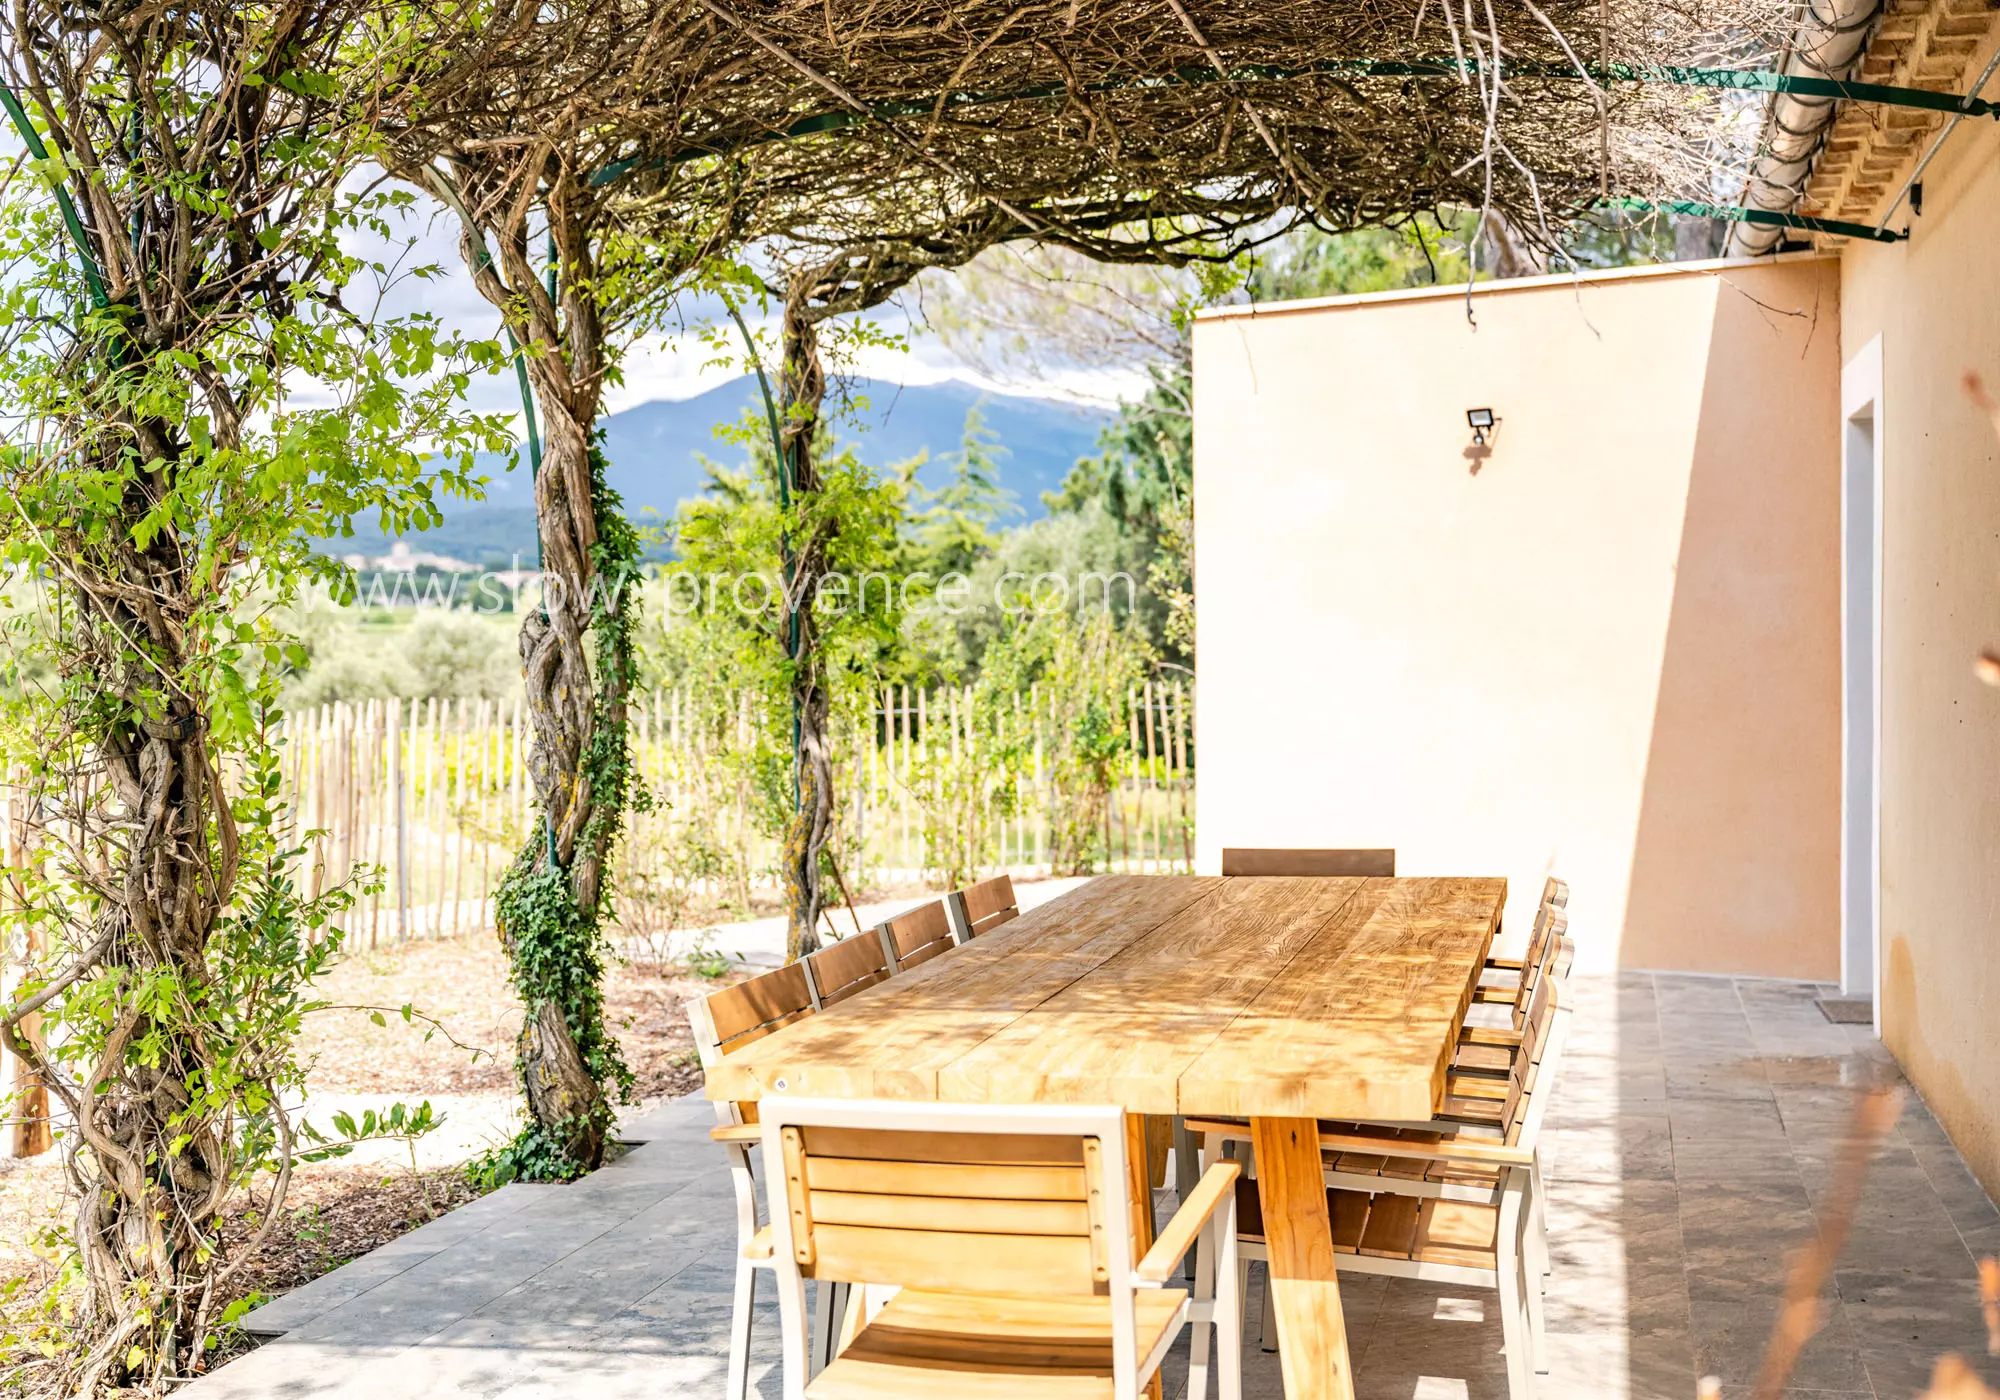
(742, 1309)
(1230, 1272)
(1204, 1320)
(1529, 1257)
(829, 1312)
(1187, 1171)
(1267, 1321)
(1514, 1326)
(1538, 1338)
(792, 1333)
(1540, 1221)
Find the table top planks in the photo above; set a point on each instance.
(1121, 1034)
(892, 1046)
(1363, 1024)
(1308, 997)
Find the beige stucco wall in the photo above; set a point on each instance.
(1611, 653)
(1935, 304)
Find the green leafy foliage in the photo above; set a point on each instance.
(191, 398)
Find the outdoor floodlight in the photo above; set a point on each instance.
(1479, 419)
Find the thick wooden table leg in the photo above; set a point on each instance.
(1138, 1172)
(1312, 1335)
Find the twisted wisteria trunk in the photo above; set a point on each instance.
(576, 672)
(803, 391)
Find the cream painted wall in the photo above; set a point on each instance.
(1935, 304)
(1611, 653)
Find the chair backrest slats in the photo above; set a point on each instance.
(743, 1014)
(916, 936)
(878, 1195)
(1535, 1045)
(972, 1149)
(759, 1005)
(953, 1260)
(983, 907)
(840, 970)
(1260, 861)
(1540, 964)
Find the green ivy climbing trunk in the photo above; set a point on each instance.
(803, 390)
(576, 672)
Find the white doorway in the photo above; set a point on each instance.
(1861, 672)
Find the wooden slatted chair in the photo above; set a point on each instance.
(840, 970)
(1255, 861)
(982, 907)
(915, 936)
(1555, 896)
(1007, 1236)
(1516, 986)
(729, 1020)
(1455, 1204)
(1488, 1049)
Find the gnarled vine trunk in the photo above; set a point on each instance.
(138, 798)
(551, 909)
(803, 391)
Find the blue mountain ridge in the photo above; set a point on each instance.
(656, 449)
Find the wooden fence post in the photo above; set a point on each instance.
(32, 1136)
(402, 817)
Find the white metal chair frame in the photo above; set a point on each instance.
(1520, 1243)
(739, 1139)
(1208, 1219)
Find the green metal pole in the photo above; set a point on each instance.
(1769, 218)
(784, 504)
(91, 275)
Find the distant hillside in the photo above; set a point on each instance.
(656, 449)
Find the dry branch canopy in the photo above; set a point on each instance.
(811, 121)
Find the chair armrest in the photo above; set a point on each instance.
(761, 1245)
(1490, 1035)
(736, 1132)
(1217, 1184)
(1487, 994)
(1456, 1149)
(1489, 1153)
(1504, 964)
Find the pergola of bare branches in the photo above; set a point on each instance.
(857, 144)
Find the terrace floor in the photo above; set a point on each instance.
(1690, 1149)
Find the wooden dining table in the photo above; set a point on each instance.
(1284, 1000)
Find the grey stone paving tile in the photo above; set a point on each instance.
(1732, 1333)
(1903, 1373)
(1590, 1369)
(289, 1369)
(295, 1309)
(1981, 1240)
(1703, 1165)
(1963, 1198)
(291, 1311)
(438, 1291)
(1895, 1310)
(668, 1118)
(1727, 1120)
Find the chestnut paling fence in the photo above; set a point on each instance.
(435, 795)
